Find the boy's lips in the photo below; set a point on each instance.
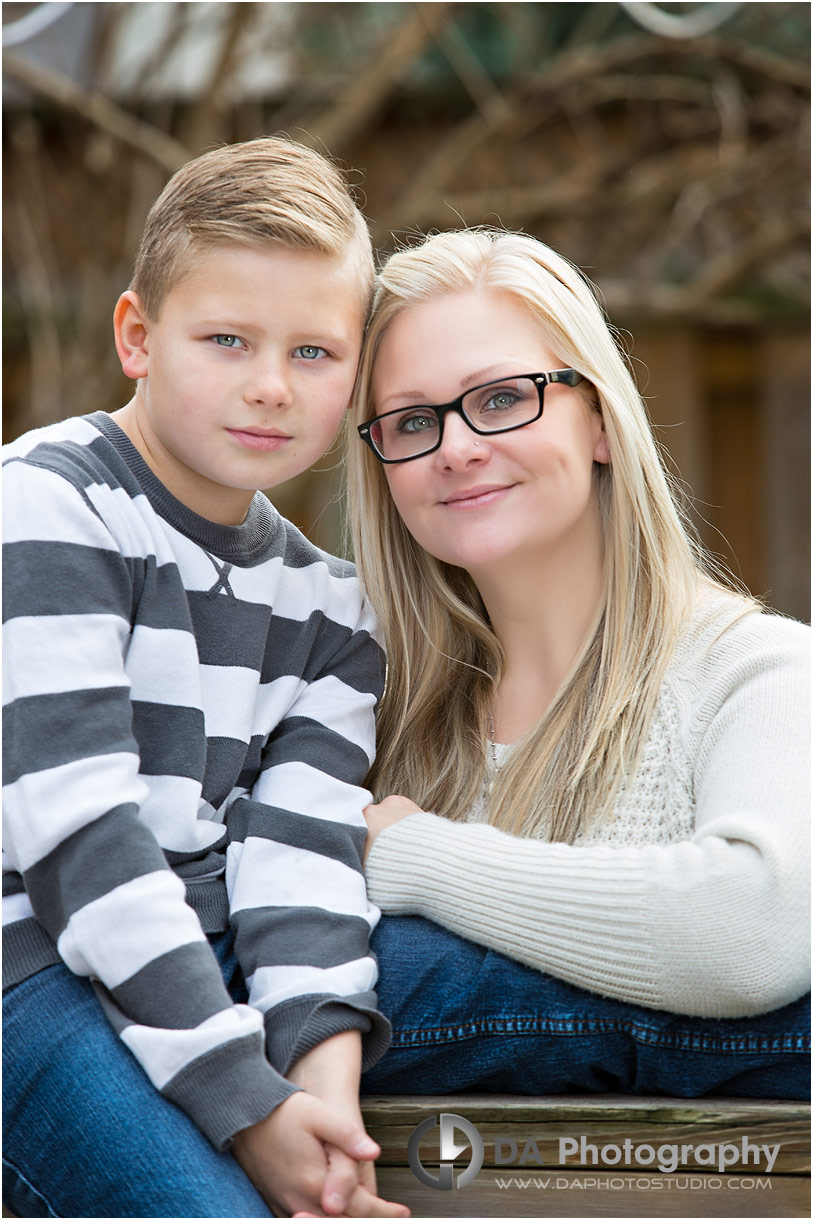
(259, 438)
(475, 497)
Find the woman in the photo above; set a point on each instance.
(597, 855)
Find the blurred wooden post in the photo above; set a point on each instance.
(673, 393)
(730, 370)
(784, 420)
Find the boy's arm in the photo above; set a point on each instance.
(296, 883)
(96, 878)
(329, 1072)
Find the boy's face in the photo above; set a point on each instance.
(245, 373)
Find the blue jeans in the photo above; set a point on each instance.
(465, 1017)
(86, 1133)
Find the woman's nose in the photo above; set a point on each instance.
(460, 444)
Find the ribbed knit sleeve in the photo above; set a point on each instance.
(716, 925)
(297, 893)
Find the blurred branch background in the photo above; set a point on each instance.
(664, 148)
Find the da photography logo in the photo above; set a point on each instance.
(449, 1152)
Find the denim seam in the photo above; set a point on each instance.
(30, 1186)
(646, 1035)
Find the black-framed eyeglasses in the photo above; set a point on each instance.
(496, 406)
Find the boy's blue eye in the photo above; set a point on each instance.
(308, 351)
(231, 341)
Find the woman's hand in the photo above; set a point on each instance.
(386, 813)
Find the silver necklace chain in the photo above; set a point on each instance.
(492, 738)
(495, 762)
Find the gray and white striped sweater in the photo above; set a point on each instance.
(188, 722)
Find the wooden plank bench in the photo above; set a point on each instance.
(551, 1184)
(534, 1163)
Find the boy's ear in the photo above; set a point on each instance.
(131, 331)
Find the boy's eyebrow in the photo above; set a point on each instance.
(224, 323)
(228, 325)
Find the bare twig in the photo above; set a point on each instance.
(578, 79)
(98, 110)
(701, 298)
(606, 176)
(488, 99)
(631, 298)
(732, 265)
(202, 127)
(714, 187)
(732, 107)
(37, 279)
(769, 64)
(368, 92)
(535, 98)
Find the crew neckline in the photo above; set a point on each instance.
(246, 542)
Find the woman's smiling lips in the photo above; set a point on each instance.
(477, 497)
(259, 438)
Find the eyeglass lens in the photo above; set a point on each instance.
(495, 407)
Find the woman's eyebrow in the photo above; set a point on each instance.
(471, 379)
(409, 395)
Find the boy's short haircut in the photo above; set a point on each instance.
(265, 192)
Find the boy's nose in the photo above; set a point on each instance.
(267, 385)
(461, 445)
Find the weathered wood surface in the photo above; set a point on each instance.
(602, 1120)
(619, 1195)
(554, 1189)
(564, 1186)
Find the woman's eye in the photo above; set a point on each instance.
(500, 401)
(231, 341)
(308, 351)
(417, 423)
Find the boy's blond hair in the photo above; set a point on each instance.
(265, 192)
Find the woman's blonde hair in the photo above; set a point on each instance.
(444, 661)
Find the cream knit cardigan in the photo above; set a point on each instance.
(693, 896)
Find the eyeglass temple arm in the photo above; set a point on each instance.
(565, 377)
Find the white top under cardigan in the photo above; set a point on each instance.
(693, 896)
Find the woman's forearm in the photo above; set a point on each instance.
(706, 928)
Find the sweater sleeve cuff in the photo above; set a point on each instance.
(231, 1088)
(294, 1028)
(397, 860)
(578, 913)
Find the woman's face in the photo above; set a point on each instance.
(480, 500)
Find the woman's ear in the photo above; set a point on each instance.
(601, 450)
(601, 453)
(131, 331)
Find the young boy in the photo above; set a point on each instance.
(189, 721)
